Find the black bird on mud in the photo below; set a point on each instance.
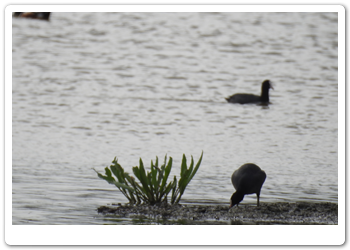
(248, 179)
(250, 98)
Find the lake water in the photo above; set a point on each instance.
(91, 86)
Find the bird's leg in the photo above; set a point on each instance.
(258, 197)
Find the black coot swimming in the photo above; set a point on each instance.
(248, 179)
(250, 98)
(33, 15)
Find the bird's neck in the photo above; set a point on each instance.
(265, 95)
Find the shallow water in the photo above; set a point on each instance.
(91, 86)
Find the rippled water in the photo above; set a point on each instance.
(91, 86)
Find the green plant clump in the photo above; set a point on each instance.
(153, 187)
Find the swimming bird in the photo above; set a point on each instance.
(248, 179)
(33, 15)
(250, 98)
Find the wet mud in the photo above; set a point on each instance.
(298, 213)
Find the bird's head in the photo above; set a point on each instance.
(267, 84)
(236, 198)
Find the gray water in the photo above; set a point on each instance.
(91, 86)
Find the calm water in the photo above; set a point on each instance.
(91, 86)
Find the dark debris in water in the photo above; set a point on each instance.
(299, 213)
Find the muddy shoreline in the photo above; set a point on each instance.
(298, 213)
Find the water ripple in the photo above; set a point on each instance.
(91, 86)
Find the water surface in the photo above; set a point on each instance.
(91, 86)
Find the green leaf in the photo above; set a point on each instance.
(185, 178)
(183, 165)
(154, 182)
(156, 165)
(151, 187)
(196, 168)
(168, 188)
(144, 181)
(136, 172)
(190, 168)
(121, 185)
(173, 196)
(117, 170)
(108, 177)
(166, 174)
(183, 182)
(165, 158)
(115, 160)
(161, 170)
(142, 173)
